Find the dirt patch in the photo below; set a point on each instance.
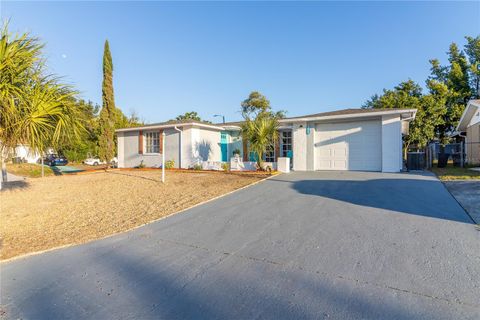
(61, 210)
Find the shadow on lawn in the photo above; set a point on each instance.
(15, 185)
(119, 285)
(133, 176)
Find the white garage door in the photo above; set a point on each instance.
(349, 146)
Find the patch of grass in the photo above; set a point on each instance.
(29, 170)
(450, 173)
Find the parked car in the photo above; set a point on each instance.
(55, 160)
(93, 161)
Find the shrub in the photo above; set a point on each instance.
(75, 155)
(197, 167)
(169, 164)
(226, 166)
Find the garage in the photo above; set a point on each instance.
(349, 139)
(349, 146)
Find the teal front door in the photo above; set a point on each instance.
(224, 146)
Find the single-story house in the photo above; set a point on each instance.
(350, 139)
(469, 127)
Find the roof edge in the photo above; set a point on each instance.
(347, 116)
(463, 122)
(171, 125)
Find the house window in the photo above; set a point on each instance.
(270, 154)
(152, 142)
(286, 143)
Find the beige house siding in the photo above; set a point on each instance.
(472, 144)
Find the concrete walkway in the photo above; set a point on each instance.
(14, 182)
(12, 178)
(338, 245)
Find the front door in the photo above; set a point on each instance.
(224, 146)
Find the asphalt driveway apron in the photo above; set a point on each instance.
(339, 245)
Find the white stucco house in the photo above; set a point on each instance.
(25, 153)
(469, 127)
(349, 139)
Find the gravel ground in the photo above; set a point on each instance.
(468, 194)
(62, 210)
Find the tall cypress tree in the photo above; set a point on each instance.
(107, 114)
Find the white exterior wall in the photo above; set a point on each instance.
(299, 146)
(26, 153)
(391, 144)
(121, 149)
(206, 144)
(128, 156)
(199, 144)
(186, 147)
(475, 119)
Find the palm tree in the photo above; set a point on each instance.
(35, 109)
(260, 133)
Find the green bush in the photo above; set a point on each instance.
(197, 167)
(75, 155)
(141, 165)
(169, 164)
(226, 166)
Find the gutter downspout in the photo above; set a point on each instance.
(179, 147)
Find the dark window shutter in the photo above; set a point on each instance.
(140, 142)
(245, 150)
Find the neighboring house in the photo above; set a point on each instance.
(469, 127)
(350, 139)
(26, 154)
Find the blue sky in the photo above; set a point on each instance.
(173, 57)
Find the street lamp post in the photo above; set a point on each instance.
(219, 115)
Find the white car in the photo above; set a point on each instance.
(93, 161)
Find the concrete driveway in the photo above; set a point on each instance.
(339, 245)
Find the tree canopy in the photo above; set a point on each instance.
(192, 115)
(449, 87)
(106, 149)
(36, 108)
(260, 128)
(258, 105)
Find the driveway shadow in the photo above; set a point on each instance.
(124, 287)
(423, 197)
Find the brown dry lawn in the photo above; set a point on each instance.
(62, 210)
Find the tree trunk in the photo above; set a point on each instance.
(4, 171)
(3, 159)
